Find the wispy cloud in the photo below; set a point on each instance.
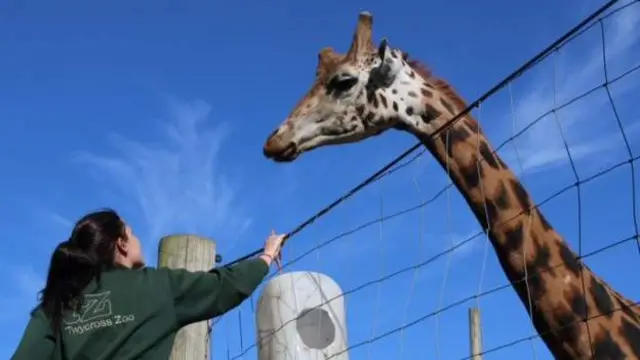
(53, 218)
(464, 245)
(23, 284)
(27, 281)
(572, 71)
(179, 184)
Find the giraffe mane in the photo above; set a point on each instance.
(443, 86)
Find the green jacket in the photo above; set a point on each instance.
(135, 314)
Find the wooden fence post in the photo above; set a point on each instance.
(193, 253)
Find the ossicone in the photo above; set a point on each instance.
(362, 42)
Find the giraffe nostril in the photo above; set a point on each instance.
(273, 133)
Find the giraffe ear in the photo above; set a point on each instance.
(382, 48)
(327, 60)
(327, 57)
(384, 74)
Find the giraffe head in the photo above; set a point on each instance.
(354, 96)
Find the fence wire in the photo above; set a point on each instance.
(595, 21)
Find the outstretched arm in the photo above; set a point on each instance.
(202, 295)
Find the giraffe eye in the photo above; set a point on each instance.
(341, 82)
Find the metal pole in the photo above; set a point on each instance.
(475, 334)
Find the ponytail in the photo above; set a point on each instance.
(78, 261)
(70, 272)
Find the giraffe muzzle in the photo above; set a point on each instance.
(281, 154)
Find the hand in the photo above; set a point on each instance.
(272, 248)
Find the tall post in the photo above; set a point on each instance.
(475, 334)
(193, 253)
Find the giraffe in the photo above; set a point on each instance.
(372, 89)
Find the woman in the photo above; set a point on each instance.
(100, 302)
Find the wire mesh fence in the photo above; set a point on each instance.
(409, 254)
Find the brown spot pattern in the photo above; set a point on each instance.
(383, 100)
(430, 113)
(447, 106)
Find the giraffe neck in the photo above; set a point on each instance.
(528, 247)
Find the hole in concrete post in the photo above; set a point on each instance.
(315, 328)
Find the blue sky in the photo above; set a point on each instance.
(160, 110)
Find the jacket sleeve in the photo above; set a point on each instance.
(201, 295)
(38, 341)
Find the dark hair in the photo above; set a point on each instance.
(77, 261)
